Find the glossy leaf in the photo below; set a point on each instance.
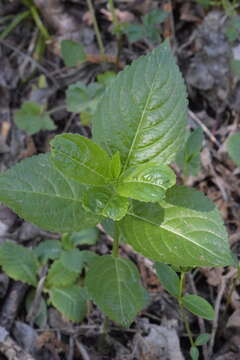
(233, 148)
(142, 114)
(72, 52)
(59, 275)
(185, 229)
(48, 249)
(198, 306)
(168, 278)
(70, 301)
(114, 286)
(32, 118)
(116, 165)
(42, 195)
(146, 182)
(104, 202)
(81, 159)
(18, 262)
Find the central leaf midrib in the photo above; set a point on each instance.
(141, 120)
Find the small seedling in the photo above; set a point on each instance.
(148, 29)
(123, 175)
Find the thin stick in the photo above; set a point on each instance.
(96, 27)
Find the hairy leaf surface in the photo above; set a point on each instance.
(114, 285)
(70, 301)
(42, 195)
(143, 112)
(184, 229)
(19, 262)
(146, 182)
(81, 159)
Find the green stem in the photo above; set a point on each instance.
(39, 23)
(183, 315)
(115, 249)
(96, 27)
(19, 18)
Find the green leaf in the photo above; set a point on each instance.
(116, 165)
(202, 339)
(80, 97)
(42, 195)
(146, 182)
(70, 301)
(48, 249)
(72, 260)
(88, 257)
(104, 202)
(188, 158)
(235, 67)
(85, 237)
(18, 262)
(32, 118)
(233, 148)
(134, 32)
(194, 352)
(198, 306)
(114, 285)
(184, 229)
(72, 52)
(59, 275)
(106, 78)
(168, 278)
(142, 114)
(81, 159)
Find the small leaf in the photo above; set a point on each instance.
(41, 317)
(106, 78)
(233, 148)
(85, 237)
(70, 301)
(83, 98)
(168, 278)
(185, 228)
(88, 257)
(104, 202)
(202, 339)
(48, 249)
(194, 352)
(32, 118)
(114, 285)
(134, 32)
(42, 195)
(198, 306)
(142, 114)
(18, 262)
(235, 67)
(116, 165)
(72, 52)
(59, 275)
(147, 182)
(81, 159)
(72, 260)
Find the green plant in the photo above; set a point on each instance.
(148, 29)
(123, 175)
(193, 303)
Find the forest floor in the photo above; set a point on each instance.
(32, 69)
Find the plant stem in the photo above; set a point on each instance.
(37, 19)
(183, 315)
(16, 20)
(96, 27)
(115, 249)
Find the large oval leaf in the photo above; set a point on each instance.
(81, 159)
(42, 195)
(114, 285)
(143, 112)
(185, 230)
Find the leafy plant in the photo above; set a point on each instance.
(148, 29)
(32, 117)
(122, 175)
(193, 303)
(72, 52)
